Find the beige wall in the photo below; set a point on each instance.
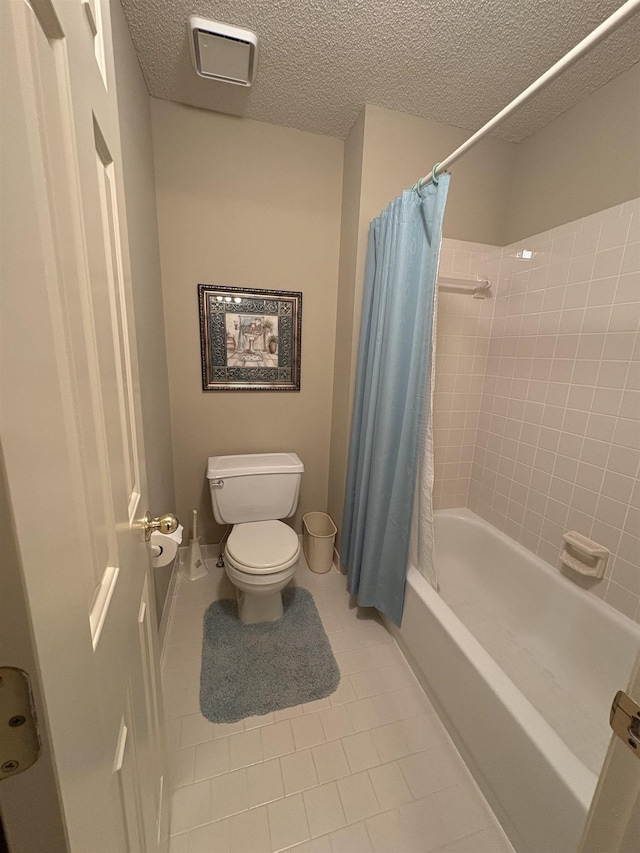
(400, 148)
(140, 201)
(586, 160)
(346, 315)
(254, 205)
(395, 150)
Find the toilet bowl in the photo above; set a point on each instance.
(252, 492)
(261, 557)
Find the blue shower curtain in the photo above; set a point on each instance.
(392, 394)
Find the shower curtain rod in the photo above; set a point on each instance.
(626, 11)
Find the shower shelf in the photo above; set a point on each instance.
(478, 287)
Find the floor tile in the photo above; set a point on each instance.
(316, 705)
(331, 761)
(227, 729)
(490, 840)
(277, 739)
(298, 771)
(330, 606)
(229, 794)
(288, 713)
(382, 680)
(332, 623)
(389, 834)
(351, 839)
(462, 810)
(265, 782)
(211, 759)
(257, 721)
(174, 678)
(179, 703)
(307, 731)
(181, 767)
(389, 741)
(181, 654)
(179, 843)
(212, 838)
(336, 775)
(423, 825)
(423, 732)
(287, 822)
(358, 797)
(195, 729)
(345, 692)
(361, 752)
(185, 629)
(390, 786)
(249, 832)
(172, 734)
(408, 702)
(432, 770)
(365, 714)
(315, 845)
(324, 809)
(336, 723)
(245, 749)
(190, 807)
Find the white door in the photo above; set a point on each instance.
(69, 425)
(613, 824)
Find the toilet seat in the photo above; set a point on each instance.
(262, 547)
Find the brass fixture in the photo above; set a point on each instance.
(167, 523)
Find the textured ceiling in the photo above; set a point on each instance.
(456, 61)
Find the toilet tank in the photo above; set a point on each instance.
(254, 486)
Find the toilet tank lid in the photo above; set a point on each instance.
(253, 463)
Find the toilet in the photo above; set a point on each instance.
(253, 492)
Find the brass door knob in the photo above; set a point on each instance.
(167, 523)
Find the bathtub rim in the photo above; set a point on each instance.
(591, 601)
(579, 779)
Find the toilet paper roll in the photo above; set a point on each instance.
(168, 545)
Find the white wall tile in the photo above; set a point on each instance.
(580, 357)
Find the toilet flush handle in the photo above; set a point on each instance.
(217, 484)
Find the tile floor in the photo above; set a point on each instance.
(370, 768)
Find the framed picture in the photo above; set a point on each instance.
(249, 339)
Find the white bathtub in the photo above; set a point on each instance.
(522, 665)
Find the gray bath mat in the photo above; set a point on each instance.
(251, 670)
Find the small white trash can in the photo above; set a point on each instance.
(318, 536)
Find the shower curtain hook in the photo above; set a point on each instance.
(435, 180)
(417, 187)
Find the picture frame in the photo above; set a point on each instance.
(250, 339)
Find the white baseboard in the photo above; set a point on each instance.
(210, 553)
(335, 561)
(168, 602)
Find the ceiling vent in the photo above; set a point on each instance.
(222, 52)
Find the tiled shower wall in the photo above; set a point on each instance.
(462, 346)
(556, 431)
